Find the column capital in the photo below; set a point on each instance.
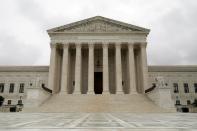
(130, 45)
(91, 45)
(53, 45)
(143, 45)
(118, 44)
(78, 45)
(65, 45)
(105, 45)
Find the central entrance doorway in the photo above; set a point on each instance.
(98, 82)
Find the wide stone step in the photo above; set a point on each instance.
(98, 103)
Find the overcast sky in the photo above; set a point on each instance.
(23, 25)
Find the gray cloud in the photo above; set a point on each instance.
(174, 37)
(14, 52)
(23, 24)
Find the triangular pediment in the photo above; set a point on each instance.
(98, 24)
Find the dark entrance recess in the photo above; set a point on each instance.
(185, 110)
(12, 109)
(98, 82)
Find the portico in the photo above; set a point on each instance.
(98, 56)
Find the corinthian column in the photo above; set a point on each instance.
(91, 69)
(52, 69)
(78, 70)
(144, 67)
(105, 69)
(132, 75)
(64, 81)
(118, 69)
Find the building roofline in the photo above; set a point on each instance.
(172, 68)
(24, 68)
(53, 30)
(151, 68)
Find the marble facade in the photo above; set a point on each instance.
(99, 56)
(81, 50)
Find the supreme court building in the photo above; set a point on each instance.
(98, 56)
(99, 65)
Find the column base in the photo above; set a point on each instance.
(77, 93)
(63, 93)
(106, 93)
(119, 92)
(133, 92)
(90, 93)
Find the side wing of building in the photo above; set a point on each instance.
(15, 81)
(180, 80)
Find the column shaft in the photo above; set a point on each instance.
(64, 77)
(91, 69)
(105, 69)
(52, 69)
(118, 69)
(132, 79)
(144, 67)
(78, 70)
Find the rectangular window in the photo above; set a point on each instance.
(178, 102)
(195, 87)
(188, 102)
(21, 89)
(43, 85)
(176, 88)
(9, 102)
(11, 88)
(20, 102)
(1, 87)
(186, 87)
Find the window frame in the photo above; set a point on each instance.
(11, 89)
(9, 102)
(2, 86)
(20, 101)
(176, 87)
(188, 102)
(22, 87)
(186, 88)
(178, 102)
(195, 87)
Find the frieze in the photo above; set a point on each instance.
(98, 26)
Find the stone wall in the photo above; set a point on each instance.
(34, 76)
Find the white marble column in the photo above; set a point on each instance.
(119, 89)
(64, 77)
(52, 69)
(144, 67)
(77, 89)
(105, 69)
(132, 76)
(91, 69)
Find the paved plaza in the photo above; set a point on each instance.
(98, 121)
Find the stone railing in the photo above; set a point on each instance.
(150, 89)
(47, 89)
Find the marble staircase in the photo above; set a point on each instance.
(98, 103)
